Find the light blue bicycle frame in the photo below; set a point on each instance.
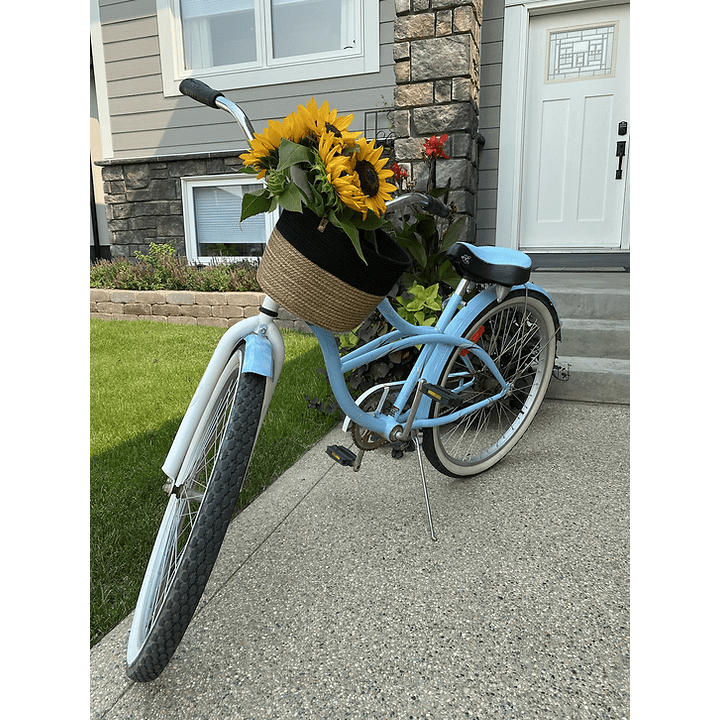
(438, 342)
(263, 353)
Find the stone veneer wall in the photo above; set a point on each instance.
(437, 66)
(218, 309)
(144, 198)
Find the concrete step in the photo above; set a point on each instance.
(591, 304)
(595, 338)
(594, 309)
(604, 380)
(593, 296)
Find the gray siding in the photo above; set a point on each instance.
(145, 123)
(490, 76)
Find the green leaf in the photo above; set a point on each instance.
(350, 230)
(416, 250)
(291, 153)
(452, 234)
(254, 203)
(291, 198)
(447, 274)
(371, 221)
(426, 226)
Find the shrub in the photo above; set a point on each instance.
(161, 269)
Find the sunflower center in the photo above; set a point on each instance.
(332, 129)
(369, 179)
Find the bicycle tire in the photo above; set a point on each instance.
(196, 520)
(520, 336)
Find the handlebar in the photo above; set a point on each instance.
(198, 90)
(202, 93)
(431, 204)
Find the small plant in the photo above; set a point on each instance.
(420, 305)
(160, 269)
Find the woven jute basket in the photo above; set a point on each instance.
(312, 270)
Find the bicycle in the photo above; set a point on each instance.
(474, 389)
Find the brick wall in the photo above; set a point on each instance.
(144, 198)
(218, 309)
(437, 64)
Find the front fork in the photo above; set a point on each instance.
(264, 354)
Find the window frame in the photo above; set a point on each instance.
(363, 60)
(188, 184)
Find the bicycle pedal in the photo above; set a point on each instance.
(341, 455)
(441, 395)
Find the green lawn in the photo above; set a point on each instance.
(142, 376)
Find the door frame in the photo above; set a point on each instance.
(516, 31)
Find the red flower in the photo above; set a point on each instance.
(433, 147)
(399, 173)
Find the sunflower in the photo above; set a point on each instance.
(340, 175)
(373, 175)
(264, 146)
(317, 121)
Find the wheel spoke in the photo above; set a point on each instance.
(519, 336)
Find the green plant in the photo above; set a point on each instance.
(161, 269)
(420, 305)
(427, 238)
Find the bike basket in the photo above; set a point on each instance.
(317, 275)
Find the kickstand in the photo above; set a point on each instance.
(416, 440)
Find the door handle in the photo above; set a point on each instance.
(620, 154)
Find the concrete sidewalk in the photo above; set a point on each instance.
(329, 600)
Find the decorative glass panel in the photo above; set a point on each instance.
(581, 53)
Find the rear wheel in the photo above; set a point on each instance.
(519, 334)
(199, 511)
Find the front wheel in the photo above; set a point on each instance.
(519, 334)
(198, 514)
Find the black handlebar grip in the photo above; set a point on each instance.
(436, 207)
(199, 91)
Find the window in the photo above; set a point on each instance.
(212, 207)
(245, 43)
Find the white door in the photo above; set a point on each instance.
(575, 190)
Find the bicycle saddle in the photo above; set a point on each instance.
(490, 264)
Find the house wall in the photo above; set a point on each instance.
(489, 120)
(439, 70)
(145, 123)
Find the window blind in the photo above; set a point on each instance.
(217, 217)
